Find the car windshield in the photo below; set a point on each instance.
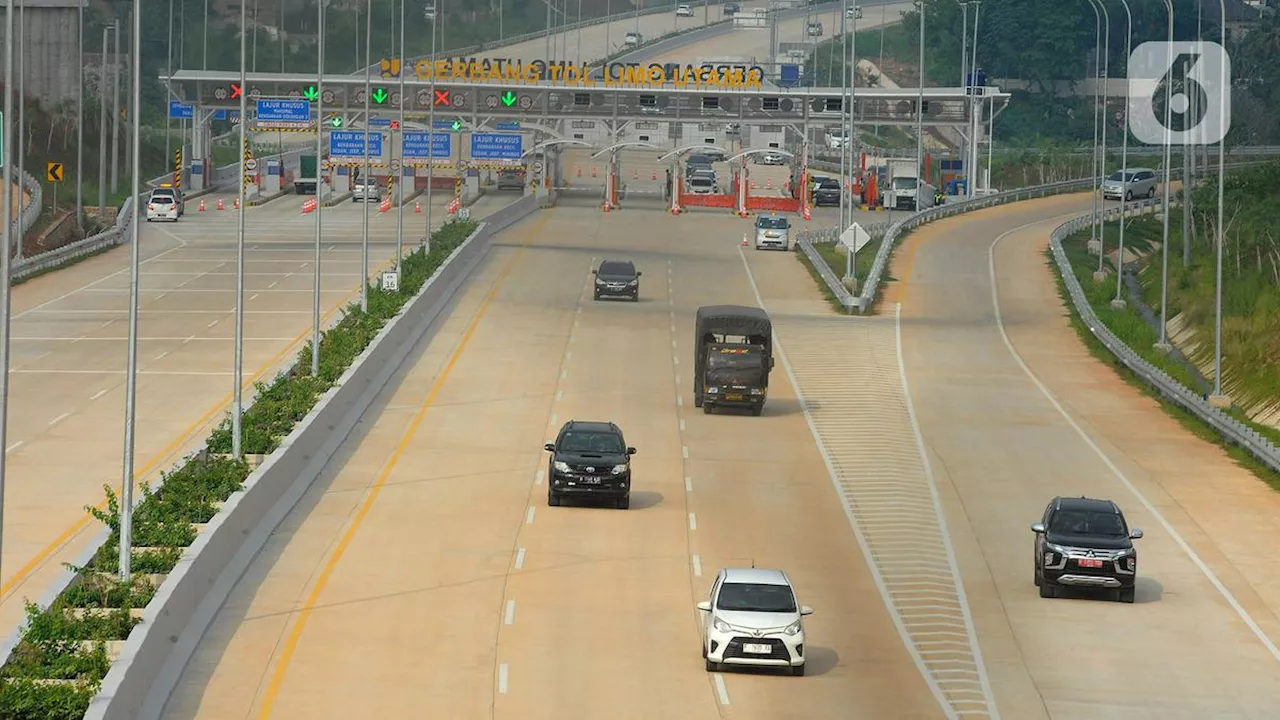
(1087, 522)
(617, 268)
(591, 442)
(700, 181)
(754, 597)
(772, 223)
(904, 183)
(1118, 176)
(828, 185)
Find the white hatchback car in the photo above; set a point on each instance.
(684, 11)
(162, 206)
(752, 618)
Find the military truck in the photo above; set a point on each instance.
(733, 354)
(308, 176)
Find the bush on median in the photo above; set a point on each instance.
(58, 665)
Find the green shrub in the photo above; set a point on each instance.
(24, 699)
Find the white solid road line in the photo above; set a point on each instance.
(693, 521)
(697, 566)
(721, 690)
(542, 475)
(688, 484)
(520, 559)
(1124, 480)
(559, 395)
(907, 640)
(528, 517)
(682, 426)
(99, 394)
(510, 615)
(15, 446)
(684, 451)
(59, 419)
(502, 679)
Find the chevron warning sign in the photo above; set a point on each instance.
(249, 164)
(177, 169)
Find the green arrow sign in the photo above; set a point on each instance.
(336, 122)
(379, 95)
(457, 125)
(508, 98)
(311, 93)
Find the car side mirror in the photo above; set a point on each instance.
(1037, 528)
(705, 606)
(631, 451)
(639, 273)
(806, 610)
(593, 272)
(549, 447)
(1135, 534)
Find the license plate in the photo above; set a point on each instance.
(1089, 563)
(733, 396)
(589, 480)
(757, 649)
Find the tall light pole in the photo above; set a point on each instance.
(845, 199)
(1223, 92)
(22, 114)
(364, 177)
(105, 123)
(237, 406)
(850, 137)
(79, 119)
(131, 375)
(5, 257)
(115, 116)
(400, 171)
(921, 171)
(168, 119)
(431, 129)
(1163, 342)
(1102, 74)
(320, 178)
(972, 161)
(964, 83)
(1118, 302)
(204, 62)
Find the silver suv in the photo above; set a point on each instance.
(1136, 183)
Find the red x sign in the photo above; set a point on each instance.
(236, 91)
(442, 97)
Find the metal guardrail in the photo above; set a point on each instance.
(833, 156)
(1228, 427)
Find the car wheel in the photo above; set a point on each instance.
(635, 297)
(624, 503)
(1128, 195)
(595, 296)
(704, 649)
(553, 499)
(797, 671)
(712, 666)
(1152, 192)
(1047, 589)
(757, 409)
(1126, 595)
(706, 408)
(697, 400)
(1037, 577)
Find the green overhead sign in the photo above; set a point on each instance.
(379, 95)
(508, 98)
(311, 93)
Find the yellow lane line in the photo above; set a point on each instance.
(304, 613)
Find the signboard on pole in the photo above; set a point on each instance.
(415, 145)
(496, 146)
(284, 111)
(179, 111)
(855, 238)
(350, 143)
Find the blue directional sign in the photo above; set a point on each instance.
(179, 111)
(496, 146)
(349, 143)
(290, 111)
(219, 114)
(379, 122)
(415, 145)
(443, 125)
(509, 125)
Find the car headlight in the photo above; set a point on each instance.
(757, 391)
(600, 282)
(619, 469)
(634, 282)
(561, 466)
(713, 390)
(792, 629)
(721, 625)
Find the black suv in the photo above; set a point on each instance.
(1085, 543)
(589, 459)
(826, 191)
(617, 278)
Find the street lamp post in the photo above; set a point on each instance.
(5, 257)
(1163, 343)
(131, 375)
(80, 119)
(237, 390)
(1119, 302)
(921, 171)
(399, 172)
(105, 124)
(1223, 92)
(1102, 73)
(115, 115)
(431, 129)
(320, 180)
(364, 177)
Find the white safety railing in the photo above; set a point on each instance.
(1231, 429)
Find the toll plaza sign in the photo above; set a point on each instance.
(616, 74)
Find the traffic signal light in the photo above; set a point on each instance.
(336, 121)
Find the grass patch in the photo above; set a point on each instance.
(1131, 329)
(66, 642)
(836, 259)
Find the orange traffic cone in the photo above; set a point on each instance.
(593, 171)
(769, 185)
(579, 172)
(654, 175)
(235, 204)
(744, 239)
(220, 205)
(202, 206)
(417, 208)
(635, 174)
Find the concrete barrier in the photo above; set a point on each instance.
(158, 649)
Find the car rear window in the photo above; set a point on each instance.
(161, 200)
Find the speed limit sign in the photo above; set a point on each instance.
(537, 166)
(395, 164)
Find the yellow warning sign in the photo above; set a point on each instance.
(177, 168)
(53, 172)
